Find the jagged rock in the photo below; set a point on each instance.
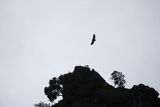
(86, 88)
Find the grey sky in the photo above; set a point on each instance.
(40, 39)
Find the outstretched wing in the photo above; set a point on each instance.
(93, 39)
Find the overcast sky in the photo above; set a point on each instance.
(40, 39)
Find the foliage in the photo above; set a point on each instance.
(54, 89)
(41, 104)
(118, 79)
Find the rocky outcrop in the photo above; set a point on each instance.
(86, 88)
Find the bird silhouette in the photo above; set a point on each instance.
(93, 39)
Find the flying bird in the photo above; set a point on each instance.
(93, 39)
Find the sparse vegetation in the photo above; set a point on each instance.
(86, 88)
(118, 79)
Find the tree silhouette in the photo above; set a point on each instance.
(118, 79)
(41, 104)
(54, 89)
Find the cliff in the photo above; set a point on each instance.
(86, 88)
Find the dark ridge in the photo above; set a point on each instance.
(86, 88)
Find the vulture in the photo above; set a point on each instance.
(93, 39)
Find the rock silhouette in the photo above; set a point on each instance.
(84, 87)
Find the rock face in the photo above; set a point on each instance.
(86, 88)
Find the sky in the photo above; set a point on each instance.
(41, 39)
